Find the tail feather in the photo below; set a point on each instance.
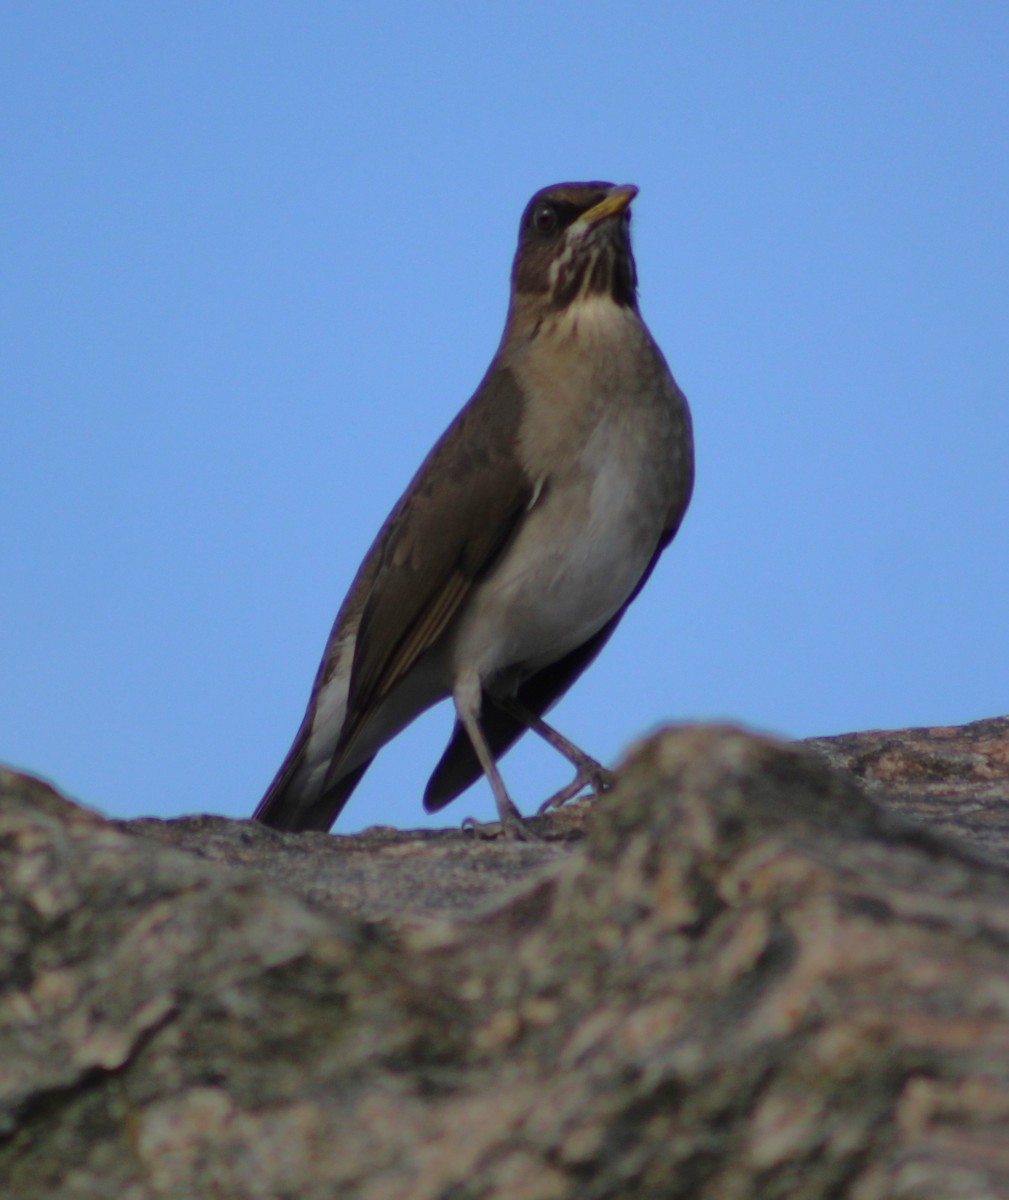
(300, 798)
(287, 806)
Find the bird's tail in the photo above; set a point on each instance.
(300, 797)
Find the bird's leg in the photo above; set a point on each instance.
(467, 697)
(588, 772)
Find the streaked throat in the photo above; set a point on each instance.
(592, 263)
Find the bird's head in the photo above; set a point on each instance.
(574, 244)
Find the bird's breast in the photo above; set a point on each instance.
(578, 554)
(605, 441)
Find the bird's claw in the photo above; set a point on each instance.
(589, 774)
(512, 828)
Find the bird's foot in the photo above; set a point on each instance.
(485, 831)
(509, 826)
(589, 774)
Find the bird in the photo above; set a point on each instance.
(522, 539)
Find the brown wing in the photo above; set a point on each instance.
(456, 516)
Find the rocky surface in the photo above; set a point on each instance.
(743, 973)
(953, 778)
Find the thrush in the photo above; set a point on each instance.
(517, 547)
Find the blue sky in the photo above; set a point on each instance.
(256, 256)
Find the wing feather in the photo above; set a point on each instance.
(455, 519)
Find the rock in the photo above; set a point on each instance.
(954, 778)
(739, 974)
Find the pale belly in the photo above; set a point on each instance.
(573, 566)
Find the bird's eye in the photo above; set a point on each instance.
(544, 218)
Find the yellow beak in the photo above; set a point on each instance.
(615, 203)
